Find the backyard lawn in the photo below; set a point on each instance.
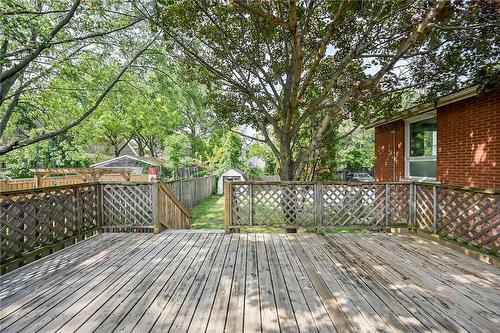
(209, 214)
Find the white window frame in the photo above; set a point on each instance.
(409, 158)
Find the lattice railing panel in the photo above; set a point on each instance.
(129, 204)
(241, 205)
(283, 205)
(348, 205)
(469, 217)
(399, 203)
(273, 205)
(89, 205)
(306, 204)
(34, 219)
(424, 206)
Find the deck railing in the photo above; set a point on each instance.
(468, 215)
(38, 221)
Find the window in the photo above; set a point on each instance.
(421, 150)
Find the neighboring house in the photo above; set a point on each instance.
(139, 164)
(231, 174)
(129, 149)
(256, 163)
(452, 141)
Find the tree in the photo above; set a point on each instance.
(62, 151)
(114, 126)
(154, 111)
(298, 70)
(227, 155)
(42, 41)
(177, 151)
(358, 153)
(199, 121)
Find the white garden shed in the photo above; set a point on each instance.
(231, 174)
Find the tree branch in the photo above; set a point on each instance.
(30, 57)
(246, 135)
(19, 144)
(257, 12)
(320, 53)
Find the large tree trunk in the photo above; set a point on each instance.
(140, 147)
(286, 160)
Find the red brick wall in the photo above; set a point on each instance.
(468, 141)
(384, 151)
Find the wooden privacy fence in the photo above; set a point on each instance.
(193, 191)
(463, 214)
(29, 183)
(38, 221)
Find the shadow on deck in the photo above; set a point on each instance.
(201, 281)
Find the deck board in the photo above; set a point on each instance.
(211, 282)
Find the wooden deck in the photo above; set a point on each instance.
(200, 281)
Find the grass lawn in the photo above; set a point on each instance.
(210, 215)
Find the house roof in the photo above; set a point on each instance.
(145, 159)
(237, 170)
(129, 150)
(426, 107)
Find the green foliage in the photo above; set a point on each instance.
(177, 151)
(227, 155)
(263, 152)
(58, 152)
(357, 153)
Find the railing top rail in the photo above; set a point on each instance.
(294, 182)
(121, 182)
(67, 186)
(284, 183)
(464, 188)
(47, 189)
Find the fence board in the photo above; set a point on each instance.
(193, 191)
(28, 183)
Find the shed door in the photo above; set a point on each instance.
(229, 178)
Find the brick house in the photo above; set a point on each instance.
(455, 140)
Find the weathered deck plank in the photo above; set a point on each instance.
(210, 282)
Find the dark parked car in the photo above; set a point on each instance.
(359, 177)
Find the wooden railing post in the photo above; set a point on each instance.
(228, 206)
(435, 209)
(250, 189)
(155, 201)
(412, 199)
(78, 213)
(386, 204)
(100, 207)
(318, 206)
